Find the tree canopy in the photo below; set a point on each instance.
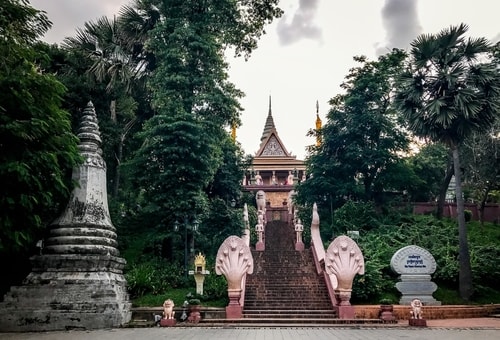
(450, 90)
(37, 147)
(361, 138)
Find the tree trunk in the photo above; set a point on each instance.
(112, 110)
(444, 187)
(486, 192)
(119, 155)
(465, 272)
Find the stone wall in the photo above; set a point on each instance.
(491, 211)
(276, 199)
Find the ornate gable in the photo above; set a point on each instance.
(272, 146)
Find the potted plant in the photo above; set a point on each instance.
(386, 310)
(194, 310)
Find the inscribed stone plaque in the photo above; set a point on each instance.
(413, 260)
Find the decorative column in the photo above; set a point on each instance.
(77, 282)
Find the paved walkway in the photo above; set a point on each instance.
(449, 329)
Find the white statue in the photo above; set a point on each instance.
(168, 309)
(258, 179)
(289, 180)
(299, 228)
(260, 199)
(416, 309)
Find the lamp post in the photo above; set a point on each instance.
(193, 227)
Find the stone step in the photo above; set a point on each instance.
(258, 322)
(317, 295)
(294, 309)
(288, 316)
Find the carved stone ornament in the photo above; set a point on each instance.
(344, 260)
(234, 260)
(273, 148)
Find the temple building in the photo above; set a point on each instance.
(274, 169)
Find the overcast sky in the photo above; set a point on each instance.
(306, 54)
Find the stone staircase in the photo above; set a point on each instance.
(284, 287)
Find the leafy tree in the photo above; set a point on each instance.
(429, 166)
(447, 93)
(36, 144)
(481, 152)
(360, 140)
(192, 97)
(111, 62)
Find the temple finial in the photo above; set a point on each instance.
(233, 132)
(269, 126)
(318, 125)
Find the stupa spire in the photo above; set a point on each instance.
(269, 126)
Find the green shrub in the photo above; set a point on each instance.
(154, 277)
(468, 215)
(355, 216)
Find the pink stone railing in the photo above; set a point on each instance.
(318, 251)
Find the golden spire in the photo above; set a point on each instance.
(318, 125)
(233, 132)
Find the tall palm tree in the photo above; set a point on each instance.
(450, 90)
(106, 44)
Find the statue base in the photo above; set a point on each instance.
(167, 322)
(346, 312)
(234, 312)
(58, 295)
(299, 246)
(259, 246)
(417, 323)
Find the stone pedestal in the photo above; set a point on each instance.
(299, 246)
(260, 246)
(417, 322)
(194, 314)
(167, 322)
(346, 312)
(387, 313)
(199, 279)
(417, 286)
(234, 310)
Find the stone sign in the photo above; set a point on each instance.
(415, 266)
(413, 260)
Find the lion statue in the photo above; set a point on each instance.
(416, 309)
(168, 309)
(260, 199)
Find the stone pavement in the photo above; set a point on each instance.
(449, 329)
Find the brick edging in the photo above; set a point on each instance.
(402, 312)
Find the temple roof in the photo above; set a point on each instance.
(270, 143)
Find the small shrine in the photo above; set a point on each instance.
(199, 273)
